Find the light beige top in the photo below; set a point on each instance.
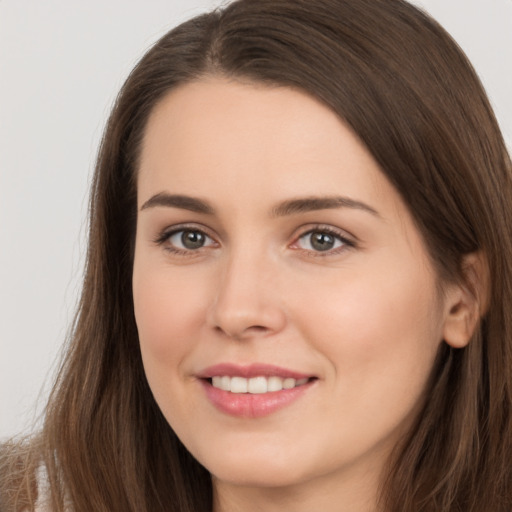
(42, 491)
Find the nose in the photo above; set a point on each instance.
(247, 303)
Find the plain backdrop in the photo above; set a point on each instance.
(61, 65)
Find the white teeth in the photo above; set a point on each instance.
(289, 383)
(238, 385)
(255, 385)
(225, 383)
(275, 383)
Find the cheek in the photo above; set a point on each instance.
(356, 303)
(169, 309)
(169, 312)
(380, 333)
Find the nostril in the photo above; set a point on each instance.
(253, 330)
(258, 328)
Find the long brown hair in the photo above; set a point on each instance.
(405, 88)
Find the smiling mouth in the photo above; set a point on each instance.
(256, 385)
(253, 391)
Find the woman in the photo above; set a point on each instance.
(298, 288)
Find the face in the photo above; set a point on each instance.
(287, 309)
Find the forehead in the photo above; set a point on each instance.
(252, 136)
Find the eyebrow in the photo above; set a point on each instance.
(178, 201)
(286, 208)
(309, 204)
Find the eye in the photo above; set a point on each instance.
(322, 240)
(186, 240)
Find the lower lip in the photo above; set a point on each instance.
(248, 405)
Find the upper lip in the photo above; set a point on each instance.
(251, 370)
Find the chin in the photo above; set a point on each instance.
(261, 466)
(266, 476)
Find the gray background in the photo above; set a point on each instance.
(61, 65)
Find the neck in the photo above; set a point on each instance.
(356, 492)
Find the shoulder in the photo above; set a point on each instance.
(43, 490)
(18, 476)
(25, 484)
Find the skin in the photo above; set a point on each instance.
(365, 318)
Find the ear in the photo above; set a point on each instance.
(466, 302)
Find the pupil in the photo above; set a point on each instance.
(322, 241)
(192, 239)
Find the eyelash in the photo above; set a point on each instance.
(166, 235)
(329, 230)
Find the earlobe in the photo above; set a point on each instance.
(466, 302)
